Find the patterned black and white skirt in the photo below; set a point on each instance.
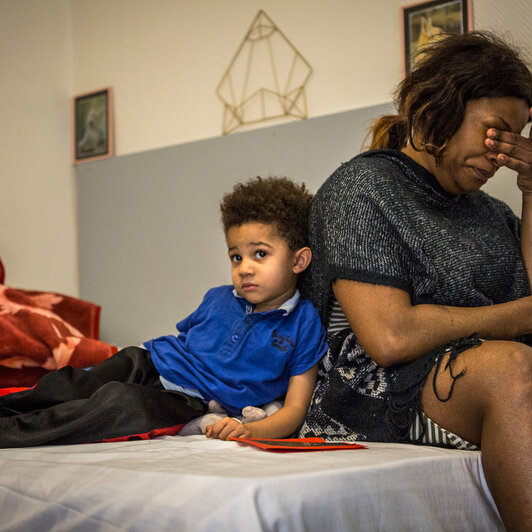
(357, 400)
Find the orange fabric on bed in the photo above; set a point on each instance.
(46, 331)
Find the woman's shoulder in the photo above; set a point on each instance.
(375, 161)
(484, 197)
(485, 200)
(370, 168)
(375, 173)
(491, 206)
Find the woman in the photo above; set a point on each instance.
(432, 276)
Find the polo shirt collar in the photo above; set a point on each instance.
(287, 306)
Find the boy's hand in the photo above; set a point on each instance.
(226, 427)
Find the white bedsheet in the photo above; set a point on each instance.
(186, 483)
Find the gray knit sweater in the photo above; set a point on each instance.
(384, 219)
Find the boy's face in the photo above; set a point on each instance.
(263, 267)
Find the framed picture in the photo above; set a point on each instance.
(424, 22)
(92, 126)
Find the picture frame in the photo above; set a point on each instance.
(423, 22)
(92, 126)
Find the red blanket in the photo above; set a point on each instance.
(43, 331)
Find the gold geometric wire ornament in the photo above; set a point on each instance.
(266, 78)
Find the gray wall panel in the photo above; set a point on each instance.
(150, 239)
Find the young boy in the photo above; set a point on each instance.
(245, 345)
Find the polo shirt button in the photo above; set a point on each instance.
(234, 338)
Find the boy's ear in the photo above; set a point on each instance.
(303, 256)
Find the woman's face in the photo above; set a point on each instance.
(467, 164)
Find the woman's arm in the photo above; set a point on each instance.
(282, 423)
(515, 152)
(526, 232)
(392, 330)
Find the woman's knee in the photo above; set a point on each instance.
(507, 375)
(520, 362)
(490, 371)
(514, 360)
(497, 377)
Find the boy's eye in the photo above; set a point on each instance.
(235, 258)
(260, 254)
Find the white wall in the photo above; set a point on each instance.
(38, 234)
(164, 59)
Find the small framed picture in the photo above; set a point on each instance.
(92, 126)
(424, 22)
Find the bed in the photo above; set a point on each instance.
(193, 483)
(130, 208)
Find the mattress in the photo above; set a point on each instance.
(183, 483)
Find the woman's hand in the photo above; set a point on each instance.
(515, 152)
(226, 427)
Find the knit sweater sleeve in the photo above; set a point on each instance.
(360, 227)
(360, 230)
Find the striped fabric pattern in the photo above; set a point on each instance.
(336, 320)
(436, 435)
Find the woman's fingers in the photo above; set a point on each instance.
(510, 144)
(513, 151)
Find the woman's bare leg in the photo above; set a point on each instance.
(491, 406)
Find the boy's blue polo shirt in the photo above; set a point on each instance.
(235, 356)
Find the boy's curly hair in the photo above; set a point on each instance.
(272, 200)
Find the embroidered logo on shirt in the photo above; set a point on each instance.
(281, 342)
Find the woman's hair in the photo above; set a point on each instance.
(450, 72)
(273, 200)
